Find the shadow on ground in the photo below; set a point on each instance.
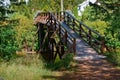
(89, 70)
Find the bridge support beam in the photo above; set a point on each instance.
(40, 35)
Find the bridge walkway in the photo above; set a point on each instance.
(83, 50)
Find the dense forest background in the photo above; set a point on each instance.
(17, 25)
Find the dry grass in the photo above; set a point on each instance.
(24, 68)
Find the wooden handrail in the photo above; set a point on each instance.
(82, 24)
(82, 29)
(72, 38)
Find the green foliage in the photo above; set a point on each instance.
(61, 64)
(27, 68)
(13, 33)
(7, 42)
(105, 19)
(114, 56)
(98, 25)
(24, 31)
(7, 36)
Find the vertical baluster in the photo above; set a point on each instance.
(67, 20)
(80, 29)
(64, 16)
(74, 45)
(44, 16)
(57, 16)
(60, 16)
(102, 45)
(49, 16)
(73, 24)
(66, 37)
(55, 24)
(89, 36)
(60, 32)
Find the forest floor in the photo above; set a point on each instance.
(88, 70)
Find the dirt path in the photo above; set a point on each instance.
(90, 65)
(92, 70)
(88, 70)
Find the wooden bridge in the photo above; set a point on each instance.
(60, 32)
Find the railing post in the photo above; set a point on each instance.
(60, 32)
(74, 45)
(73, 24)
(55, 24)
(80, 29)
(102, 45)
(60, 16)
(44, 15)
(68, 20)
(66, 37)
(89, 36)
(64, 16)
(57, 16)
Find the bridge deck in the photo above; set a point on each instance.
(83, 50)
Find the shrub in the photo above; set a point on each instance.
(114, 57)
(59, 64)
(7, 42)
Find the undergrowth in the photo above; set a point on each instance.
(24, 68)
(61, 64)
(114, 57)
(32, 68)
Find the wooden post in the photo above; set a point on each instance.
(102, 45)
(80, 29)
(68, 20)
(60, 32)
(64, 15)
(40, 35)
(66, 37)
(52, 51)
(73, 24)
(60, 16)
(44, 15)
(57, 16)
(89, 36)
(74, 45)
(62, 52)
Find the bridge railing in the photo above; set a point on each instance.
(53, 19)
(64, 35)
(92, 37)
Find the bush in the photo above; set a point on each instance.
(7, 42)
(114, 57)
(61, 64)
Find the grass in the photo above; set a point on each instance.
(64, 63)
(114, 57)
(24, 68)
(32, 68)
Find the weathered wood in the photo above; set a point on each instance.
(84, 31)
(74, 45)
(61, 24)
